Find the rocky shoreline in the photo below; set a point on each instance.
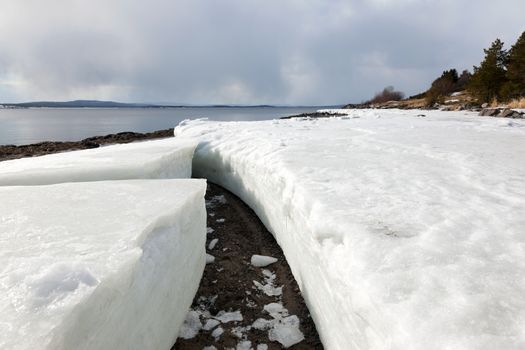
(8, 152)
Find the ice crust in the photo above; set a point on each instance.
(99, 265)
(158, 159)
(402, 232)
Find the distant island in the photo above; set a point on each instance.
(113, 104)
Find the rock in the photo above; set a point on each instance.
(506, 113)
(489, 112)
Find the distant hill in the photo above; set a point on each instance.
(113, 104)
(82, 104)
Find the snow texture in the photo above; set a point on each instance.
(402, 232)
(158, 159)
(99, 265)
(262, 260)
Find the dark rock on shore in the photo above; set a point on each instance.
(37, 149)
(502, 113)
(315, 115)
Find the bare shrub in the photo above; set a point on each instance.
(388, 94)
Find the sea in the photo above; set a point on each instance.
(33, 125)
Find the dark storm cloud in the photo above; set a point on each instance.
(295, 52)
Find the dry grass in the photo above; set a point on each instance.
(517, 103)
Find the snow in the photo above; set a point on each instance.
(262, 260)
(398, 229)
(158, 159)
(99, 265)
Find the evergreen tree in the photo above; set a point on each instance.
(463, 80)
(488, 79)
(515, 87)
(442, 86)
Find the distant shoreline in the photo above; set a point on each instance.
(10, 152)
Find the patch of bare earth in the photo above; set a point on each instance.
(238, 305)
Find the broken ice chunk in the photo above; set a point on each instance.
(244, 345)
(262, 260)
(209, 230)
(226, 317)
(210, 259)
(262, 324)
(276, 310)
(221, 220)
(213, 243)
(286, 332)
(191, 326)
(269, 289)
(262, 347)
(217, 332)
(210, 324)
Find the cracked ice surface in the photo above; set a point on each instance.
(99, 265)
(158, 159)
(398, 229)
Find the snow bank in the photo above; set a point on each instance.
(167, 158)
(403, 232)
(99, 265)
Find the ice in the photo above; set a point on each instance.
(191, 326)
(262, 347)
(217, 332)
(226, 317)
(262, 260)
(286, 332)
(402, 232)
(268, 288)
(213, 243)
(210, 259)
(244, 345)
(210, 324)
(158, 159)
(99, 265)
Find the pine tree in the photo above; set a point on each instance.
(488, 79)
(515, 87)
(442, 86)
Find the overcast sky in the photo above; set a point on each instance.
(304, 52)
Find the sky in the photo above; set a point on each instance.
(286, 52)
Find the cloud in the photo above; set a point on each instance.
(237, 51)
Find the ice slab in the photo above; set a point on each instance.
(262, 260)
(166, 158)
(402, 232)
(99, 265)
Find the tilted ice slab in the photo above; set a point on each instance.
(166, 158)
(403, 231)
(99, 265)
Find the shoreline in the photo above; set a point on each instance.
(10, 152)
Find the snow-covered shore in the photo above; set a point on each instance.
(404, 229)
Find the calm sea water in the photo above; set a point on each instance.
(24, 126)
